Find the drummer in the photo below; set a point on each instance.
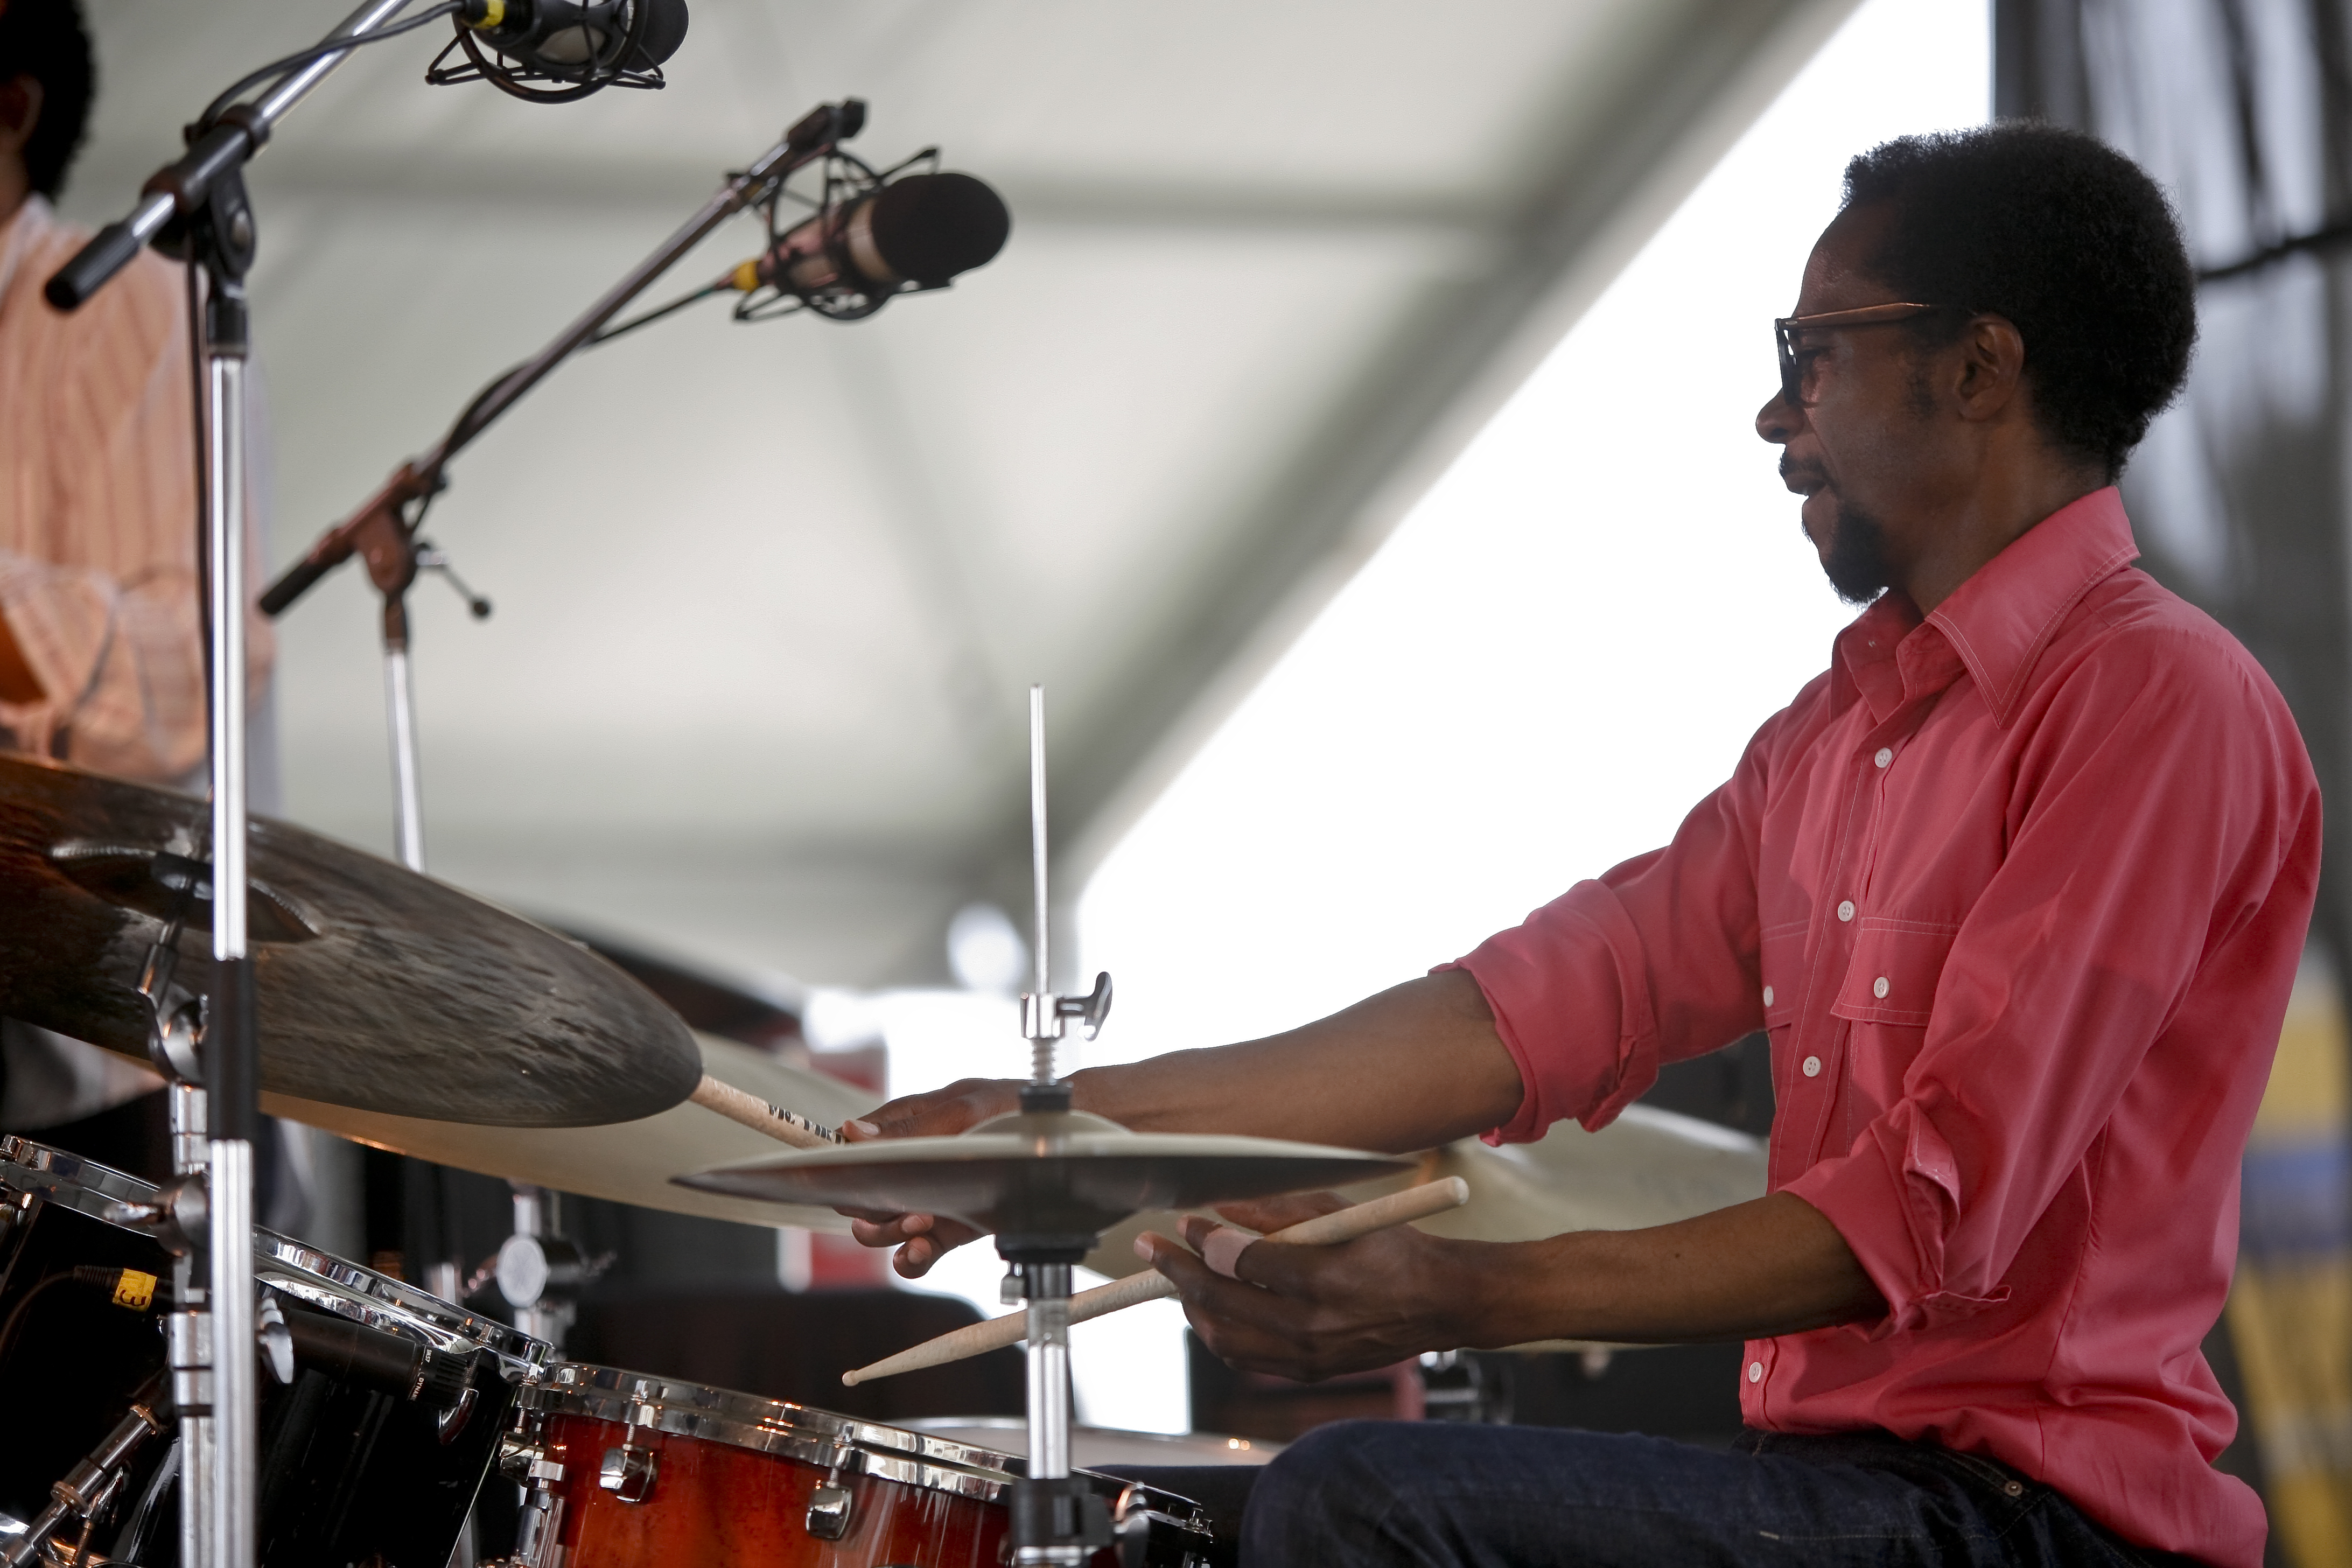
(99, 659)
(2018, 887)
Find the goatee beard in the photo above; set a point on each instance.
(1856, 562)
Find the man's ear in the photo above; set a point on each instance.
(1992, 366)
(20, 112)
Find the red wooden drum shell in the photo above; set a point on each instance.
(729, 1479)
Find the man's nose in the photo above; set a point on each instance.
(1778, 420)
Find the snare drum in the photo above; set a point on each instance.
(348, 1474)
(633, 1471)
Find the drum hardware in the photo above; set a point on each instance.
(87, 1492)
(539, 1522)
(1457, 1385)
(393, 1412)
(540, 1271)
(628, 1472)
(828, 1508)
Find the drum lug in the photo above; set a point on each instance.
(629, 1472)
(828, 1513)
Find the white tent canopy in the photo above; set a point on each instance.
(768, 596)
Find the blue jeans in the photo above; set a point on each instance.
(1369, 1494)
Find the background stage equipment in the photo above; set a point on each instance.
(931, 225)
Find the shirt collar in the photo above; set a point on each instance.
(1996, 623)
(2000, 619)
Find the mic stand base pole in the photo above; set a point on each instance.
(221, 238)
(400, 718)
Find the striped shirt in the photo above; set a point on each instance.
(97, 512)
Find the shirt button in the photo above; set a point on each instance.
(1845, 910)
(1768, 995)
(1878, 987)
(1886, 755)
(1812, 1066)
(1754, 1371)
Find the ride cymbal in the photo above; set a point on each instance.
(379, 989)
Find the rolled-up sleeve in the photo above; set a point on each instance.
(2069, 968)
(1654, 962)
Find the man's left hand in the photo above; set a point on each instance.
(1313, 1312)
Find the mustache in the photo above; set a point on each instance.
(1797, 475)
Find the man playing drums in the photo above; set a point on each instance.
(2018, 887)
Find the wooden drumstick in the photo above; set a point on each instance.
(1323, 1230)
(784, 1126)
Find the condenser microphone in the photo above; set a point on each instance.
(574, 43)
(918, 231)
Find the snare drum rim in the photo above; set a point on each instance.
(319, 1278)
(803, 1434)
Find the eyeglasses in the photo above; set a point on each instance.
(1798, 382)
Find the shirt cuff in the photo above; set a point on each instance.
(1572, 1002)
(1896, 1198)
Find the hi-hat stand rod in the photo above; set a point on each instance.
(178, 189)
(1040, 1040)
(1043, 1014)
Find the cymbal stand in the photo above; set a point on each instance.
(199, 203)
(1055, 1520)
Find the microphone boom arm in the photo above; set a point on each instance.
(179, 188)
(365, 531)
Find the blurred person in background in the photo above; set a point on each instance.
(100, 658)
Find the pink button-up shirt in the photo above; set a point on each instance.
(2018, 891)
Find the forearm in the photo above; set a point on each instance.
(1773, 1266)
(1416, 1066)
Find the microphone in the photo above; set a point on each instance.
(579, 45)
(915, 232)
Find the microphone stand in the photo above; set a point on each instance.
(383, 531)
(201, 200)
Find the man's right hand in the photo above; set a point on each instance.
(923, 1239)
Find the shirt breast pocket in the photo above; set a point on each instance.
(1893, 974)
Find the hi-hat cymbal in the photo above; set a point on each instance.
(631, 1162)
(1648, 1167)
(379, 989)
(1060, 1174)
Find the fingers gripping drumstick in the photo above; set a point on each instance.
(1323, 1230)
(784, 1126)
